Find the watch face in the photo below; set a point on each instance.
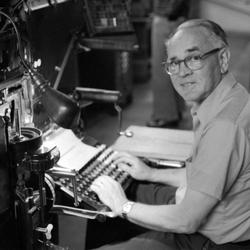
(127, 207)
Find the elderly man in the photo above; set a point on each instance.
(213, 211)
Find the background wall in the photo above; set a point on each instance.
(234, 17)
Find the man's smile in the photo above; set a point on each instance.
(187, 85)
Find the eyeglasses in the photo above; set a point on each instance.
(193, 62)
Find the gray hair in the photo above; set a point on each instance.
(212, 27)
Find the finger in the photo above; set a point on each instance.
(118, 155)
(105, 182)
(125, 167)
(99, 189)
(105, 179)
(123, 159)
(111, 184)
(109, 181)
(95, 188)
(98, 182)
(101, 179)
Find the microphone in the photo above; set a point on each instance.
(97, 95)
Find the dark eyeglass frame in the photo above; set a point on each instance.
(187, 59)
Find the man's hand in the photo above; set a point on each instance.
(133, 165)
(110, 193)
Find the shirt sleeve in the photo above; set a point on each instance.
(219, 159)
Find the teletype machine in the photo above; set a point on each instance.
(29, 169)
(32, 161)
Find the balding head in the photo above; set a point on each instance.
(211, 29)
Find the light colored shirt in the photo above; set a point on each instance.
(221, 161)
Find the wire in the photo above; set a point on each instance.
(18, 4)
(4, 26)
(19, 44)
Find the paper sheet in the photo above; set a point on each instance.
(168, 144)
(74, 154)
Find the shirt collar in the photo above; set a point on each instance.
(210, 106)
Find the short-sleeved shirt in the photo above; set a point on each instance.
(220, 166)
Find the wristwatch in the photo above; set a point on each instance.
(126, 208)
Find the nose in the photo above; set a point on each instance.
(184, 70)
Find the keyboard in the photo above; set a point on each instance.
(100, 164)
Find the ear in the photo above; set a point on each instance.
(224, 57)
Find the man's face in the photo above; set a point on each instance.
(194, 86)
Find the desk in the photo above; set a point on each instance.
(168, 144)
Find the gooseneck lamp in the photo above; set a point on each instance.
(63, 110)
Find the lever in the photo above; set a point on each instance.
(127, 133)
(83, 213)
(45, 230)
(62, 172)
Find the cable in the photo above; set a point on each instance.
(17, 4)
(4, 26)
(19, 44)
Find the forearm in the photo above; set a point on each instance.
(174, 177)
(166, 218)
(186, 217)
